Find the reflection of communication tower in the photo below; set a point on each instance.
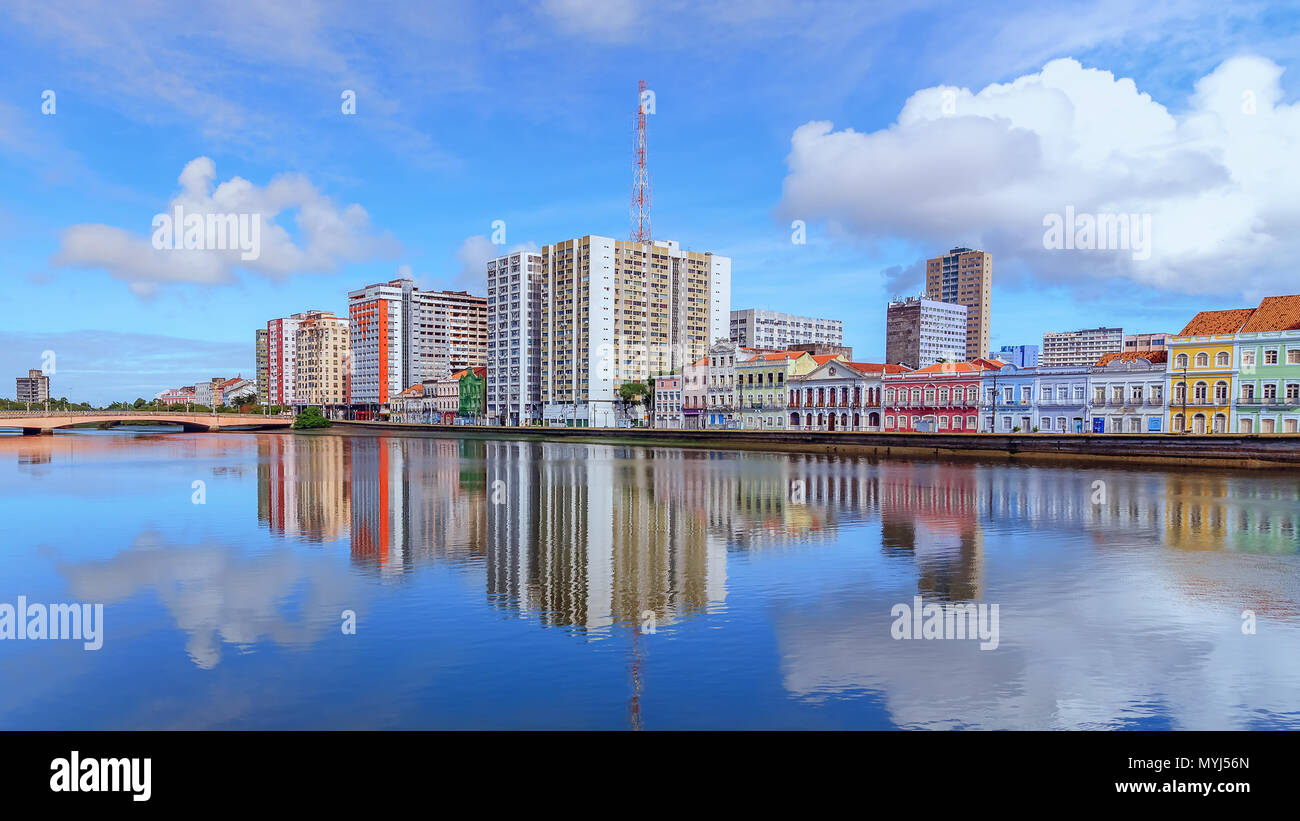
(640, 211)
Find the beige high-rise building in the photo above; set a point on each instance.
(448, 333)
(321, 374)
(965, 277)
(614, 311)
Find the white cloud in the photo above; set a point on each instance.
(473, 255)
(985, 168)
(600, 19)
(328, 236)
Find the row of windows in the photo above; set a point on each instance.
(1222, 359)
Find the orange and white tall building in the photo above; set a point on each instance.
(377, 319)
(402, 336)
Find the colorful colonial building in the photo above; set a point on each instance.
(940, 398)
(1062, 398)
(1127, 392)
(839, 395)
(761, 384)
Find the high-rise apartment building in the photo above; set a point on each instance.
(34, 387)
(448, 333)
(965, 277)
(378, 316)
(614, 311)
(920, 332)
(515, 284)
(260, 347)
(773, 330)
(402, 336)
(281, 359)
(321, 376)
(1081, 348)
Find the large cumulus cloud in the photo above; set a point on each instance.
(1218, 177)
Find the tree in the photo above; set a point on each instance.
(310, 418)
(139, 403)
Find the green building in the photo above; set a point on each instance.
(473, 395)
(1268, 382)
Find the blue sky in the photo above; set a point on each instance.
(893, 133)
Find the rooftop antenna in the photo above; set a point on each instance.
(640, 210)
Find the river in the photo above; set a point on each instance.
(331, 580)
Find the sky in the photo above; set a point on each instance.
(828, 148)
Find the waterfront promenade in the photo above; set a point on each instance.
(1221, 450)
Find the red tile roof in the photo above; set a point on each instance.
(1217, 322)
(976, 366)
(878, 367)
(1275, 313)
(1154, 357)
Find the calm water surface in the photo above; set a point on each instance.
(514, 584)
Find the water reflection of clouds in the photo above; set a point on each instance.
(218, 595)
(1123, 648)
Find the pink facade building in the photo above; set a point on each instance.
(941, 398)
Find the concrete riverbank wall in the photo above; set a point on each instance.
(1220, 450)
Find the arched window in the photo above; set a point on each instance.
(1220, 391)
(1199, 392)
(1221, 359)
(1202, 360)
(1180, 361)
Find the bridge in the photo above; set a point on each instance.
(44, 423)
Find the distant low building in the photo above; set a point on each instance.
(1022, 356)
(775, 331)
(1145, 342)
(178, 396)
(1081, 348)
(667, 411)
(820, 349)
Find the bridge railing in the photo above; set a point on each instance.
(191, 415)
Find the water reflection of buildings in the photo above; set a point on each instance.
(402, 500)
(1213, 512)
(590, 535)
(933, 515)
(303, 485)
(415, 500)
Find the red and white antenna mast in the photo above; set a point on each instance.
(640, 211)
